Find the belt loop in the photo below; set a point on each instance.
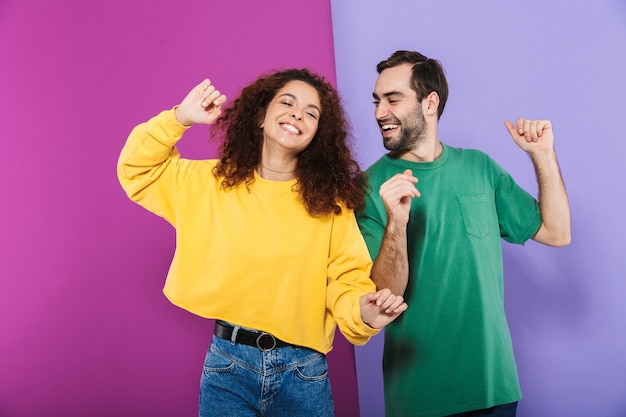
(233, 336)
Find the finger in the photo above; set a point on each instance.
(386, 303)
(392, 303)
(212, 94)
(205, 95)
(542, 126)
(205, 84)
(399, 189)
(395, 305)
(512, 129)
(381, 296)
(406, 175)
(397, 309)
(399, 181)
(531, 135)
(409, 175)
(523, 128)
(215, 98)
(206, 91)
(520, 125)
(401, 308)
(220, 100)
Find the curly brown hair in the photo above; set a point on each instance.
(326, 172)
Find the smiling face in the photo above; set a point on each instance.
(399, 115)
(292, 118)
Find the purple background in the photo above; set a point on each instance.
(84, 328)
(564, 61)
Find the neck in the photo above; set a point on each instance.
(276, 171)
(275, 174)
(424, 152)
(275, 164)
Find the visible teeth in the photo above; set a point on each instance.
(387, 127)
(291, 128)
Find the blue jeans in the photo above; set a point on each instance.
(241, 381)
(504, 410)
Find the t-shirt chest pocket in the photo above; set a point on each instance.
(476, 210)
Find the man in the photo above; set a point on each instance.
(438, 243)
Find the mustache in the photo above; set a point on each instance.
(388, 120)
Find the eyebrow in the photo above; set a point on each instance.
(389, 94)
(308, 105)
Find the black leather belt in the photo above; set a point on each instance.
(263, 341)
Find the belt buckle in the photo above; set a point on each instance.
(259, 341)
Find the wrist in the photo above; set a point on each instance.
(396, 227)
(543, 155)
(180, 118)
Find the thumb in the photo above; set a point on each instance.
(511, 128)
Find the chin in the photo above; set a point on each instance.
(389, 143)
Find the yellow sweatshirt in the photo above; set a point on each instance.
(251, 256)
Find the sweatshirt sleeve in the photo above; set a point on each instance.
(349, 278)
(148, 166)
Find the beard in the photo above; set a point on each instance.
(412, 132)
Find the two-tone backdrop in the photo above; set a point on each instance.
(84, 327)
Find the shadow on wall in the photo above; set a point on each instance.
(553, 314)
(544, 311)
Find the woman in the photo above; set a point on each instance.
(266, 239)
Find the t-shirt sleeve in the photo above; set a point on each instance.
(519, 215)
(372, 223)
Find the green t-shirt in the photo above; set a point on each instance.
(451, 351)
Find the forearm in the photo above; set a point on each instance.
(553, 201)
(391, 266)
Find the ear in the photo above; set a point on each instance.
(431, 103)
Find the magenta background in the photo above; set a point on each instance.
(565, 61)
(84, 327)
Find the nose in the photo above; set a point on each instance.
(381, 111)
(296, 114)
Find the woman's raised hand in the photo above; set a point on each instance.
(203, 104)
